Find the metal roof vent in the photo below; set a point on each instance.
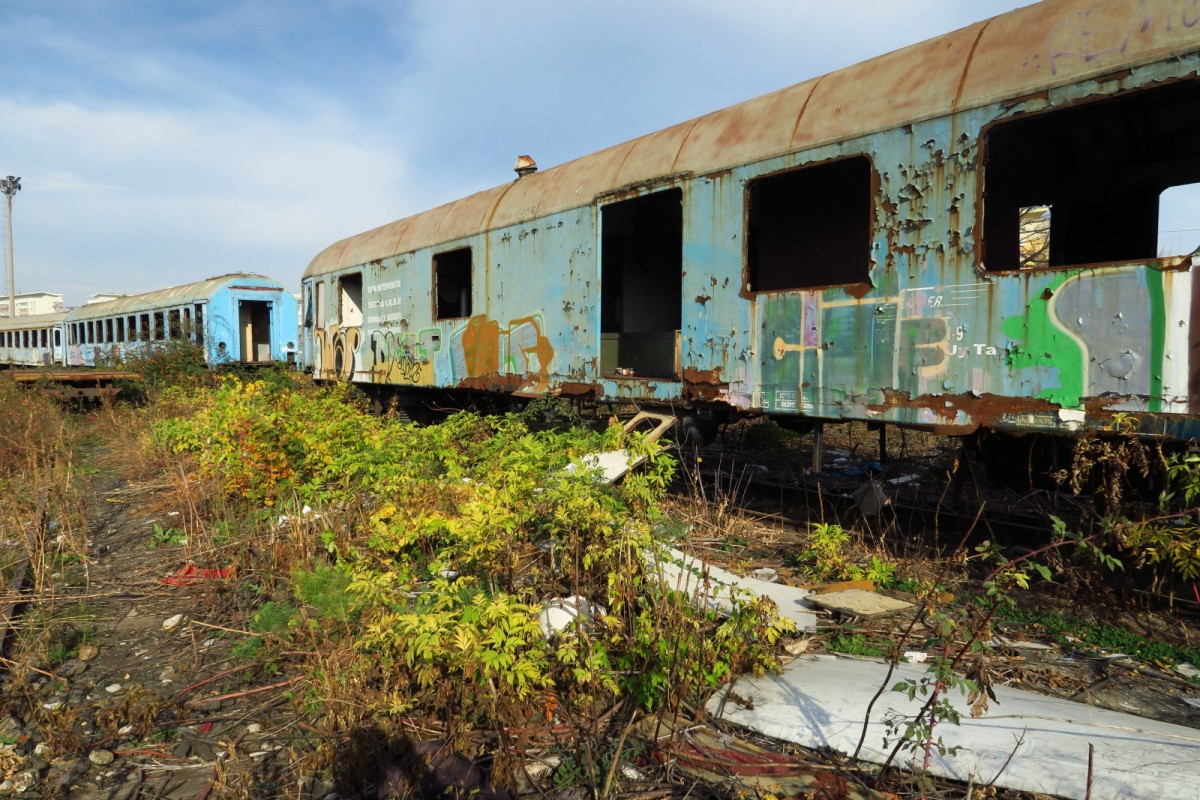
(525, 166)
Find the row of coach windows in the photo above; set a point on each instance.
(38, 338)
(159, 326)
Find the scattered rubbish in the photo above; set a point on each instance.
(1194, 702)
(113, 688)
(902, 479)
(190, 575)
(915, 656)
(1188, 671)
(859, 603)
(88, 651)
(714, 588)
(1004, 641)
(870, 498)
(612, 465)
(306, 514)
(720, 759)
(797, 647)
(1034, 743)
(170, 623)
(560, 613)
(765, 574)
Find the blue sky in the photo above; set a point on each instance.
(164, 141)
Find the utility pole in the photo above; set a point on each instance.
(10, 186)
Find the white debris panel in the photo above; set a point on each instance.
(821, 700)
(715, 588)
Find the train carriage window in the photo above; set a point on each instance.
(174, 325)
(452, 284)
(350, 289)
(144, 332)
(44, 342)
(810, 227)
(320, 304)
(187, 322)
(109, 336)
(120, 329)
(1089, 183)
(57, 337)
(160, 328)
(199, 323)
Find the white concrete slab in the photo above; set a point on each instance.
(712, 587)
(820, 701)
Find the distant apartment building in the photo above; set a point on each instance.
(31, 303)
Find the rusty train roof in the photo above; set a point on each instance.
(171, 296)
(1022, 52)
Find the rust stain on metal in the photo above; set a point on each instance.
(496, 382)
(857, 290)
(577, 389)
(984, 409)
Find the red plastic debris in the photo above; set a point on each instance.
(190, 575)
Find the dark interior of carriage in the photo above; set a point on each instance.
(1081, 185)
(452, 284)
(641, 281)
(810, 227)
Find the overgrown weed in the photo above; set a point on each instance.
(405, 570)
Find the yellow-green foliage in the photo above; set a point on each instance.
(451, 537)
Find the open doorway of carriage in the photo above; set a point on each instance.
(641, 281)
(254, 322)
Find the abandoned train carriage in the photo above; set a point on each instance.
(33, 341)
(958, 234)
(236, 318)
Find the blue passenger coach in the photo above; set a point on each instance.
(34, 341)
(236, 318)
(955, 235)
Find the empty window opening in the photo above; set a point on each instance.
(452, 283)
(187, 322)
(810, 227)
(350, 289)
(1179, 220)
(109, 336)
(144, 327)
(198, 322)
(160, 329)
(58, 337)
(641, 285)
(43, 341)
(254, 319)
(121, 329)
(174, 325)
(1100, 171)
(320, 304)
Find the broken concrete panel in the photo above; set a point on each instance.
(821, 701)
(858, 602)
(714, 588)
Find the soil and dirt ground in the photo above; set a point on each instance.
(125, 678)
